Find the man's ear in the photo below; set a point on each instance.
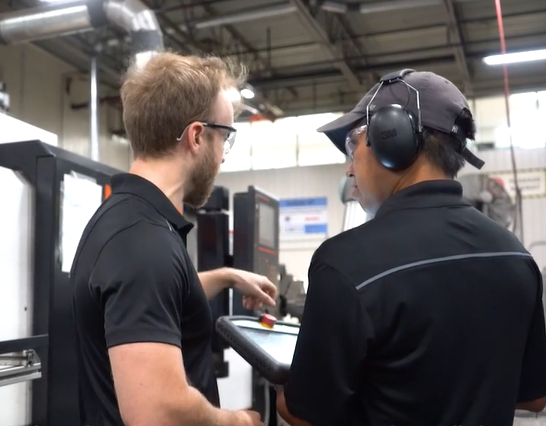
(194, 137)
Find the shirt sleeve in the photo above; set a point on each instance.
(331, 347)
(139, 281)
(533, 370)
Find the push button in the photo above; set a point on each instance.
(268, 321)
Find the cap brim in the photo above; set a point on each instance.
(337, 130)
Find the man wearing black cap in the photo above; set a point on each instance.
(430, 314)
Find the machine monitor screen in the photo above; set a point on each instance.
(266, 225)
(269, 351)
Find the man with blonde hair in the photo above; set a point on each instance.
(143, 321)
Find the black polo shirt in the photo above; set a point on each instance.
(428, 315)
(134, 282)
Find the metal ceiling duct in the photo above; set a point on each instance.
(74, 16)
(69, 17)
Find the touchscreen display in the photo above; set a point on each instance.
(280, 346)
(266, 225)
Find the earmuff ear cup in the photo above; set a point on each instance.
(393, 137)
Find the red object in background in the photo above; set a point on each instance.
(499, 181)
(257, 117)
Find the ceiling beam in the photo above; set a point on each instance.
(330, 103)
(456, 37)
(356, 43)
(259, 98)
(285, 49)
(333, 51)
(332, 75)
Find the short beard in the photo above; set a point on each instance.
(201, 180)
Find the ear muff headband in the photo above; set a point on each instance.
(394, 134)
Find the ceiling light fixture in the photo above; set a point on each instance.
(517, 57)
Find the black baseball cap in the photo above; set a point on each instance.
(441, 103)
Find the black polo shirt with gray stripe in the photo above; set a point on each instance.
(428, 315)
(134, 282)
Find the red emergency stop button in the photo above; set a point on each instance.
(268, 320)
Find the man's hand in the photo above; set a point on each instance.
(249, 418)
(257, 290)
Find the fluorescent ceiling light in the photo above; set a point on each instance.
(513, 58)
(247, 93)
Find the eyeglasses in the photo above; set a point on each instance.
(352, 139)
(229, 132)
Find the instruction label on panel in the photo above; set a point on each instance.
(532, 183)
(303, 217)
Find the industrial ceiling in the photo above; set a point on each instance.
(320, 56)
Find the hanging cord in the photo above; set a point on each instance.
(518, 219)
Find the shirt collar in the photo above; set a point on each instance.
(128, 183)
(429, 194)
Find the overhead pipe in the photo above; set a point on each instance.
(71, 17)
(76, 16)
(39, 23)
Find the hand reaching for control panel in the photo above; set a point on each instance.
(257, 289)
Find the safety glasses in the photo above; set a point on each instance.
(352, 139)
(229, 133)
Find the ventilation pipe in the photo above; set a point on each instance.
(69, 17)
(75, 16)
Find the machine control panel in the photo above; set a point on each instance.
(267, 345)
(255, 237)
(266, 245)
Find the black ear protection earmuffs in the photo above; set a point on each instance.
(394, 134)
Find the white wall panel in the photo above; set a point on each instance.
(36, 83)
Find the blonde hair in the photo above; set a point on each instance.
(167, 93)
